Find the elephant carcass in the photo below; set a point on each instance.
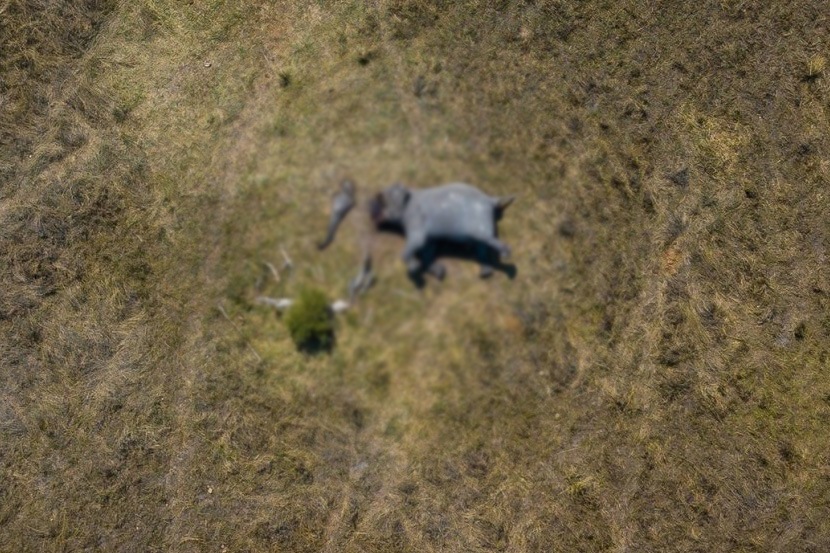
(456, 212)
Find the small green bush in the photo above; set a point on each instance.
(310, 321)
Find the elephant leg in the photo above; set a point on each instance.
(428, 256)
(438, 270)
(412, 265)
(484, 260)
(498, 245)
(414, 243)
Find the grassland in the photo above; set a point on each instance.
(655, 378)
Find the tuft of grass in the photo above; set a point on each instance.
(815, 67)
(310, 321)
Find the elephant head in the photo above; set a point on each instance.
(388, 206)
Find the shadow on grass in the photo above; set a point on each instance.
(318, 345)
(475, 251)
(471, 250)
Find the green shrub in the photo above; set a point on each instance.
(310, 321)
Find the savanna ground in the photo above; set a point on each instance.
(655, 378)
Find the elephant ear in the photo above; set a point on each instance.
(400, 194)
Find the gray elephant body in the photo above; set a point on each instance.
(455, 212)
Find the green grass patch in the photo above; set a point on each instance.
(310, 321)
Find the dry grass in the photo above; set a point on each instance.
(654, 379)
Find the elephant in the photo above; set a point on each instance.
(458, 213)
(341, 203)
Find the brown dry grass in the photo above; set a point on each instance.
(654, 379)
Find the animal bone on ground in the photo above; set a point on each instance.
(282, 304)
